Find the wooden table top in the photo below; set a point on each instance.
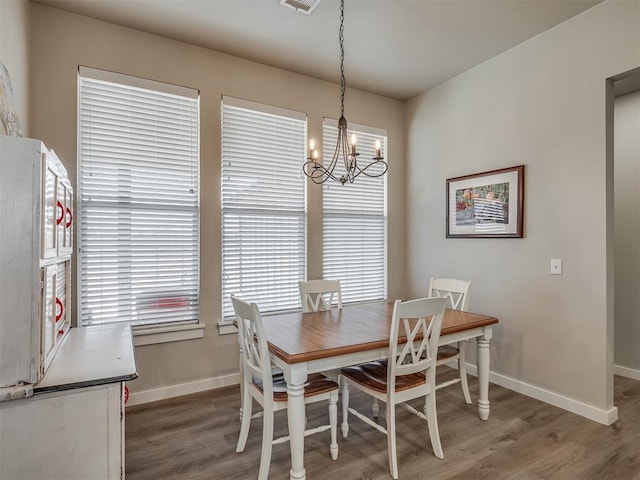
(300, 337)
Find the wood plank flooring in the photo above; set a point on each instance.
(194, 437)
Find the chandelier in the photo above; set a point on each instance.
(313, 167)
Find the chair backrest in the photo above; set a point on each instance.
(318, 295)
(420, 321)
(253, 343)
(455, 291)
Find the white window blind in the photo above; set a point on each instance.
(139, 200)
(355, 222)
(263, 205)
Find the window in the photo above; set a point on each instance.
(263, 205)
(355, 222)
(139, 200)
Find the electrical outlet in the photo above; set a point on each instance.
(556, 266)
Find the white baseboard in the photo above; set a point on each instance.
(605, 417)
(626, 372)
(171, 391)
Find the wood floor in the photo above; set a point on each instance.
(194, 437)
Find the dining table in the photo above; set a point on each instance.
(305, 343)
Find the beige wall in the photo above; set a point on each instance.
(62, 41)
(14, 53)
(627, 231)
(542, 104)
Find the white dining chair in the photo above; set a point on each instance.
(270, 391)
(318, 295)
(457, 294)
(409, 372)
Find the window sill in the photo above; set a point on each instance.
(226, 328)
(146, 335)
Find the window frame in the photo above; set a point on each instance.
(147, 333)
(225, 325)
(358, 129)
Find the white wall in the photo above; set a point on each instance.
(14, 53)
(542, 104)
(627, 232)
(62, 41)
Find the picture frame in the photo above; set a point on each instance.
(486, 205)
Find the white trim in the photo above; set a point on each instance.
(137, 82)
(146, 335)
(226, 328)
(626, 372)
(332, 122)
(163, 393)
(605, 417)
(261, 107)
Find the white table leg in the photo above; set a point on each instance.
(296, 376)
(483, 373)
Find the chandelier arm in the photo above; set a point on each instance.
(375, 162)
(345, 155)
(336, 153)
(319, 171)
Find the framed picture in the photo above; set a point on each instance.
(486, 205)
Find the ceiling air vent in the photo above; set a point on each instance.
(302, 6)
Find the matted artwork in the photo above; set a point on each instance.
(486, 205)
(9, 123)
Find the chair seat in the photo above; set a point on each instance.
(316, 384)
(447, 351)
(373, 375)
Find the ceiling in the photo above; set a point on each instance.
(395, 48)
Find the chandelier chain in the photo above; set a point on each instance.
(343, 82)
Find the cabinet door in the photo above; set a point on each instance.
(52, 209)
(72, 435)
(56, 317)
(62, 300)
(48, 312)
(64, 227)
(69, 219)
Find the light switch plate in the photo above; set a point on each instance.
(556, 266)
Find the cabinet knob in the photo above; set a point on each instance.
(60, 216)
(61, 312)
(69, 217)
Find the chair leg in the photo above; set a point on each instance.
(245, 416)
(345, 406)
(267, 441)
(333, 421)
(462, 371)
(391, 439)
(432, 420)
(241, 382)
(375, 409)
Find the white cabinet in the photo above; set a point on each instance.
(36, 244)
(73, 426)
(71, 435)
